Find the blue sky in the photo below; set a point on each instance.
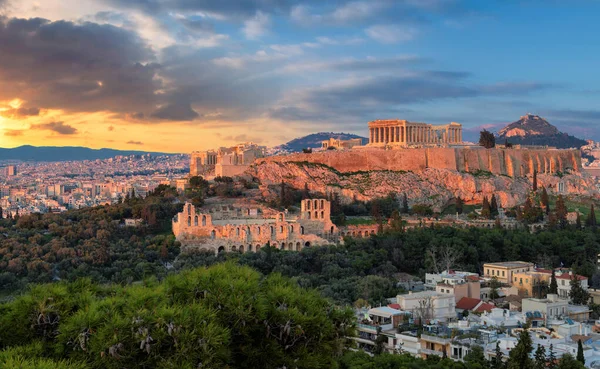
(177, 75)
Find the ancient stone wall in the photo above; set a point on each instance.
(510, 162)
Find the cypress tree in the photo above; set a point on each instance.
(580, 356)
(496, 362)
(545, 199)
(405, 208)
(535, 184)
(578, 221)
(459, 205)
(494, 206)
(561, 211)
(486, 209)
(553, 284)
(551, 358)
(591, 218)
(540, 357)
(1, 213)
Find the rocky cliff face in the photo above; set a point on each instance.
(436, 187)
(532, 129)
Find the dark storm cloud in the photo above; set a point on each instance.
(57, 127)
(20, 113)
(176, 111)
(76, 67)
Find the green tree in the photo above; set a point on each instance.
(591, 218)
(580, 356)
(497, 362)
(540, 358)
(396, 222)
(459, 205)
(487, 139)
(519, 356)
(494, 206)
(561, 212)
(476, 357)
(567, 361)
(534, 181)
(577, 294)
(545, 200)
(405, 208)
(553, 284)
(578, 222)
(486, 210)
(552, 364)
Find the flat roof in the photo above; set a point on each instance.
(509, 264)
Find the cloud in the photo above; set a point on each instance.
(57, 127)
(362, 98)
(83, 67)
(345, 13)
(111, 128)
(391, 34)
(177, 111)
(14, 132)
(19, 113)
(257, 26)
(134, 143)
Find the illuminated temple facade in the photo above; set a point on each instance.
(404, 133)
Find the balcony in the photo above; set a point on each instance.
(435, 339)
(373, 327)
(432, 352)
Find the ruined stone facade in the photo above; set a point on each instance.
(404, 133)
(226, 161)
(509, 162)
(341, 144)
(247, 229)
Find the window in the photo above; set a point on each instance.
(204, 220)
(503, 273)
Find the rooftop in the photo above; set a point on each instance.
(509, 264)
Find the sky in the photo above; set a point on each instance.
(184, 75)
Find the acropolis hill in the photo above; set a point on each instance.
(399, 145)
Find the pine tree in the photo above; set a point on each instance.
(519, 356)
(561, 212)
(486, 211)
(553, 284)
(551, 358)
(535, 183)
(494, 206)
(591, 218)
(487, 139)
(580, 356)
(540, 357)
(405, 208)
(545, 199)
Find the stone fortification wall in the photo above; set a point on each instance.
(510, 162)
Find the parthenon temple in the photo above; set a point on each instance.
(405, 133)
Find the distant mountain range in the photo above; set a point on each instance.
(534, 130)
(312, 141)
(65, 153)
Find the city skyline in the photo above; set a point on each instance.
(178, 76)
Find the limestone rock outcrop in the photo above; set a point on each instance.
(432, 186)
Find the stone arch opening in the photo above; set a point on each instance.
(331, 230)
(281, 229)
(316, 214)
(316, 203)
(257, 248)
(308, 205)
(282, 246)
(307, 244)
(213, 234)
(281, 217)
(272, 231)
(298, 245)
(221, 249)
(291, 229)
(204, 221)
(301, 229)
(309, 214)
(241, 249)
(196, 220)
(189, 208)
(290, 246)
(322, 215)
(233, 248)
(237, 232)
(322, 204)
(189, 221)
